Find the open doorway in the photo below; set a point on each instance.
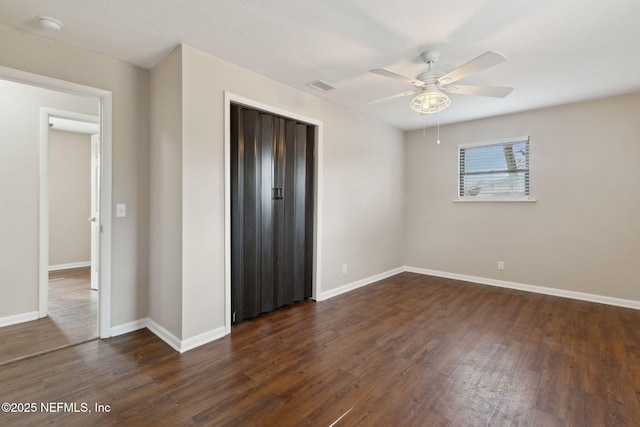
(73, 190)
(27, 102)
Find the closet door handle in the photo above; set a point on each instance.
(278, 193)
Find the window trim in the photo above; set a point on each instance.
(500, 199)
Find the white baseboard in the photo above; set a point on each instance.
(358, 284)
(184, 345)
(202, 339)
(70, 265)
(166, 336)
(582, 296)
(129, 327)
(174, 342)
(18, 318)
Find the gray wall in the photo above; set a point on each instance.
(583, 232)
(19, 188)
(130, 238)
(69, 197)
(165, 262)
(580, 235)
(362, 177)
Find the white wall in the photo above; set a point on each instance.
(130, 145)
(19, 188)
(362, 173)
(581, 235)
(69, 198)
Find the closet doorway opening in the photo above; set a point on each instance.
(272, 204)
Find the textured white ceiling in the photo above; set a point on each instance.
(559, 51)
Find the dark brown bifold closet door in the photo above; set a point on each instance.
(271, 211)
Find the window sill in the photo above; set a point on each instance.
(529, 199)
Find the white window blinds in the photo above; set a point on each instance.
(494, 169)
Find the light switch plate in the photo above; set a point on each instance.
(121, 210)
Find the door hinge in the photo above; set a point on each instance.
(233, 318)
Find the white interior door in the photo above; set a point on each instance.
(95, 211)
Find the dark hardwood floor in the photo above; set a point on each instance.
(409, 350)
(73, 318)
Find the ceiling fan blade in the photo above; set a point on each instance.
(482, 62)
(493, 91)
(387, 73)
(399, 95)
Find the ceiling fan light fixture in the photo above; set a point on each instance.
(430, 102)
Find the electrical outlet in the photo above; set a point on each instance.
(344, 268)
(500, 265)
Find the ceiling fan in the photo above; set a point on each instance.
(432, 86)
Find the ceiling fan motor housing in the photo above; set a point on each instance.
(430, 56)
(430, 76)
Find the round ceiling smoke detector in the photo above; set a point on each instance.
(50, 24)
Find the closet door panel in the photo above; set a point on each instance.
(299, 211)
(288, 254)
(266, 245)
(252, 257)
(246, 261)
(237, 213)
(309, 211)
(272, 211)
(278, 210)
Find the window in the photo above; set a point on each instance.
(494, 170)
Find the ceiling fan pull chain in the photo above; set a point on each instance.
(438, 114)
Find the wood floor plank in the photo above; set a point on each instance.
(408, 350)
(72, 319)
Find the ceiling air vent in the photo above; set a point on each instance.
(321, 86)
